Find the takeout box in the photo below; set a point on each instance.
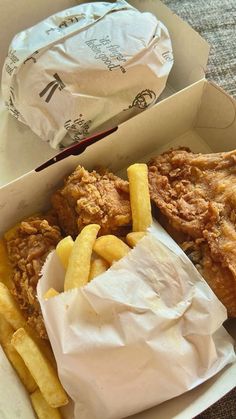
(20, 149)
(202, 117)
(193, 112)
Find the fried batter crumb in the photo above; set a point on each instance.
(91, 197)
(197, 194)
(27, 249)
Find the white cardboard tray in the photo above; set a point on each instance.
(202, 117)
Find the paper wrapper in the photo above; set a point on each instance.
(143, 332)
(14, 400)
(86, 69)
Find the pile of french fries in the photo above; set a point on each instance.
(32, 359)
(89, 256)
(83, 260)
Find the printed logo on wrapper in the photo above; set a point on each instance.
(108, 53)
(168, 56)
(69, 21)
(51, 87)
(32, 57)
(78, 128)
(64, 24)
(11, 106)
(143, 100)
(12, 62)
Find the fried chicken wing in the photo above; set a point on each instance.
(27, 247)
(92, 198)
(197, 194)
(220, 279)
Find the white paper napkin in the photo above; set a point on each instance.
(147, 330)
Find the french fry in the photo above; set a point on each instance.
(98, 266)
(13, 315)
(64, 249)
(5, 266)
(6, 332)
(42, 408)
(134, 237)
(40, 368)
(43, 345)
(9, 308)
(77, 273)
(111, 248)
(51, 292)
(139, 196)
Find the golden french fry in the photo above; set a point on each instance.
(13, 315)
(6, 332)
(77, 273)
(51, 292)
(134, 237)
(64, 249)
(139, 196)
(43, 345)
(111, 248)
(40, 368)
(42, 408)
(9, 308)
(5, 266)
(98, 266)
(123, 238)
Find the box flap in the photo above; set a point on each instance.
(216, 120)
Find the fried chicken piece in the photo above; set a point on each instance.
(220, 279)
(197, 194)
(28, 246)
(180, 187)
(92, 198)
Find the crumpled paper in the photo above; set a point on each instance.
(86, 69)
(147, 330)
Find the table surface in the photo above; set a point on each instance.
(215, 20)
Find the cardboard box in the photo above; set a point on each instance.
(20, 149)
(193, 112)
(202, 117)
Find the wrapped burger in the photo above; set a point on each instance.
(85, 69)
